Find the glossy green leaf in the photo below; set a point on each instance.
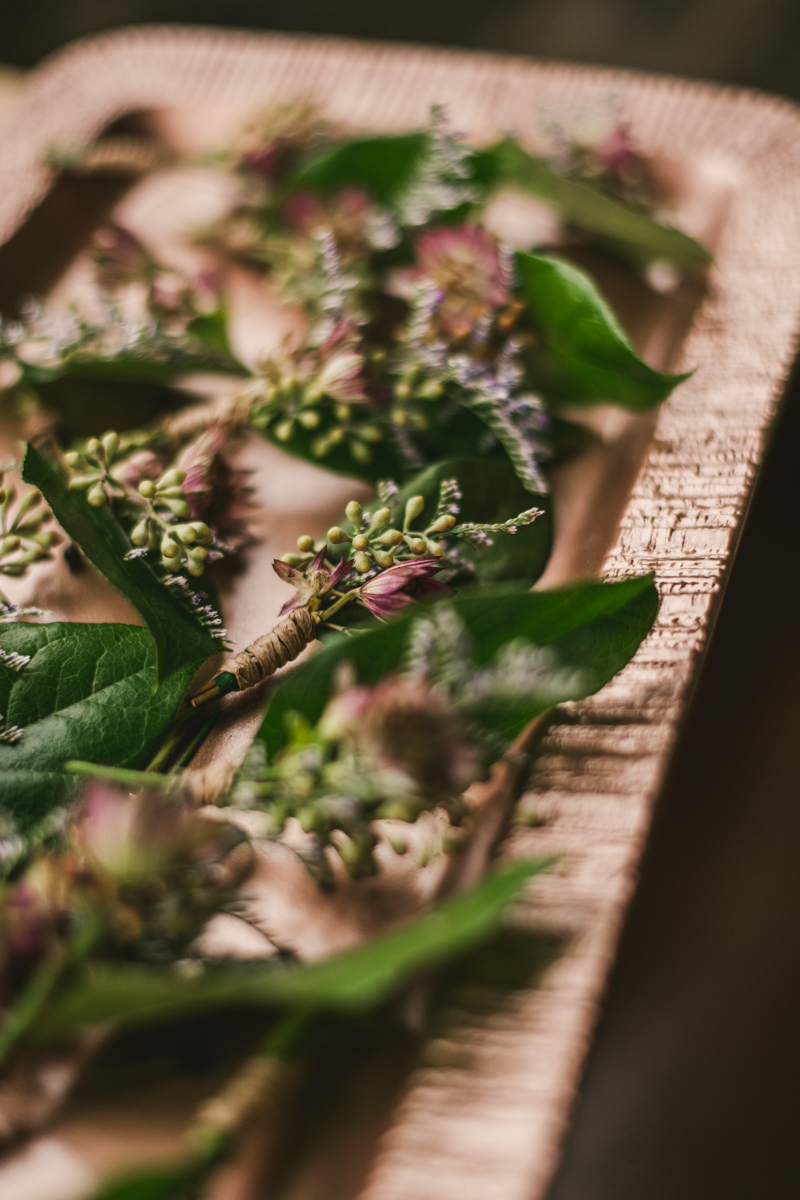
(89, 691)
(588, 207)
(353, 981)
(382, 166)
(593, 627)
(588, 357)
(490, 492)
(179, 635)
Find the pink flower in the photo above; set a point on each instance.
(197, 460)
(464, 262)
(398, 586)
(144, 464)
(403, 725)
(315, 581)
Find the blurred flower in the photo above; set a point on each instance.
(464, 263)
(398, 586)
(129, 837)
(120, 258)
(349, 216)
(402, 724)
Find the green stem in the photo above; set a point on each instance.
(340, 603)
(119, 774)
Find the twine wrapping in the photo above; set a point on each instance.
(267, 654)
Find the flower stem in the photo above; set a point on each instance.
(120, 774)
(340, 603)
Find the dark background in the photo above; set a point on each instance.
(692, 1087)
(750, 42)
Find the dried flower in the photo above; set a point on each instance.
(316, 581)
(465, 265)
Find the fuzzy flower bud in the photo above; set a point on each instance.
(444, 524)
(305, 543)
(361, 542)
(414, 507)
(147, 489)
(380, 519)
(355, 514)
(363, 562)
(337, 536)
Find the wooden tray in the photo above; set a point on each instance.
(492, 1127)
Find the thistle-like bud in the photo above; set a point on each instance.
(337, 536)
(361, 542)
(363, 562)
(414, 507)
(443, 524)
(305, 543)
(355, 514)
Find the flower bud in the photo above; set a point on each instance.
(195, 568)
(355, 514)
(363, 562)
(29, 501)
(179, 507)
(198, 554)
(141, 533)
(337, 536)
(435, 549)
(12, 542)
(343, 412)
(186, 533)
(94, 446)
(96, 496)
(172, 478)
(147, 489)
(110, 444)
(370, 433)
(172, 564)
(73, 458)
(171, 493)
(392, 537)
(295, 560)
(202, 531)
(380, 519)
(396, 810)
(417, 546)
(359, 451)
(169, 548)
(413, 509)
(444, 524)
(305, 543)
(336, 436)
(79, 483)
(383, 559)
(309, 418)
(361, 542)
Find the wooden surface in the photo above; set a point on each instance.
(495, 1129)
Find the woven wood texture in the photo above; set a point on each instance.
(495, 1129)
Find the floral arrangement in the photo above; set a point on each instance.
(434, 363)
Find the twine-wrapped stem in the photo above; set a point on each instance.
(262, 657)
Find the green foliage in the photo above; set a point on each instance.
(383, 166)
(353, 981)
(586, 206)
(593, 627)
(88, 692)
(490, 492)
(588, 357)
(179, 634)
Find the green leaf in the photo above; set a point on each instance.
(593, 627)
(490, 492)
(386, 461)
(588, 207)
(353, 981)
(591, 360)
(164, 1183)
(88, 692)
(383, 166)
(179, 635)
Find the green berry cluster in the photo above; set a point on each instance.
(182, 544)
(23, 540)
(376, 542)
(339, 425)
(92, 470)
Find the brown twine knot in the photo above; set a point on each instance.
(267, 654)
